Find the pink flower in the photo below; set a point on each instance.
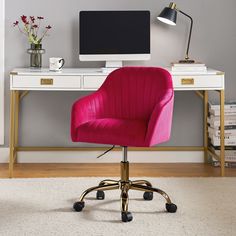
(24, 19)
(15, 23)
(32, 18)
(30, 27)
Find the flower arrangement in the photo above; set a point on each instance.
(31, 27)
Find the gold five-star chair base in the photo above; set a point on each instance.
(124, 184)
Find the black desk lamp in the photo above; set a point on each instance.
(169, 16)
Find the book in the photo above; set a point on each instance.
(230, 155)
(188, 67)
(230, 158)
(229, 124)
(216, 131)
(226, 147)
(227, 117)
(188, 72)
(216, 163)
(227, 142)
(227, 112)
(196, 64)
(227, 164)
(226, 137)
(228, 105)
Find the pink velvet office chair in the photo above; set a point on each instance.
(133, 108)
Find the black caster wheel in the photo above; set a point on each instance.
(126, 216)
(100, 195)
(172, 208)
(148, 196)
(78, 206)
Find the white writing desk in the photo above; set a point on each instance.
(24, 80)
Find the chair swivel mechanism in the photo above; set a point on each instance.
(133, 108)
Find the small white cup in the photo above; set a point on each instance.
(56, 63)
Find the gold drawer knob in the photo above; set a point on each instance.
(187, 81)
(46, 81)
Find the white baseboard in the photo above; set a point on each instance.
(112, 157)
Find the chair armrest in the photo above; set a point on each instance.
(159, 125)
(86, 109)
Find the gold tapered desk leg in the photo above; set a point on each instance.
(16, 136)
(222, 131)
(12, 132)
(205, 126)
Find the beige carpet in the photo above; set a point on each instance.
(206, 206)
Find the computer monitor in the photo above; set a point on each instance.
(114, 36)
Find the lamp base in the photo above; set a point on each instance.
(187, 61)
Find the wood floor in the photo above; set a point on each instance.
(106, 170)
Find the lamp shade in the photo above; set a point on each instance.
(168, 16)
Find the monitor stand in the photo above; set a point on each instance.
(111, 65)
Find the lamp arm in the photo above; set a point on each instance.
(190, 32)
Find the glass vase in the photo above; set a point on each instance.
(36, 52)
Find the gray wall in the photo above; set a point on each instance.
(46, 115)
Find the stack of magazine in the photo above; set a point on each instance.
(197, 68)
(229, 135)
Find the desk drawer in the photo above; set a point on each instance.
(199, 81)
(46, 81)
(93, 81)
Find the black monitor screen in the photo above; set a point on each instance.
(114, 32)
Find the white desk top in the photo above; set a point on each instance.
(93, 71)
(88, 79)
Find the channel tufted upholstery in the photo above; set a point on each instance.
(133, 107)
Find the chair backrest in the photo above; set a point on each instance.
(133, 92)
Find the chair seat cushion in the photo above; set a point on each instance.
(123, 132)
